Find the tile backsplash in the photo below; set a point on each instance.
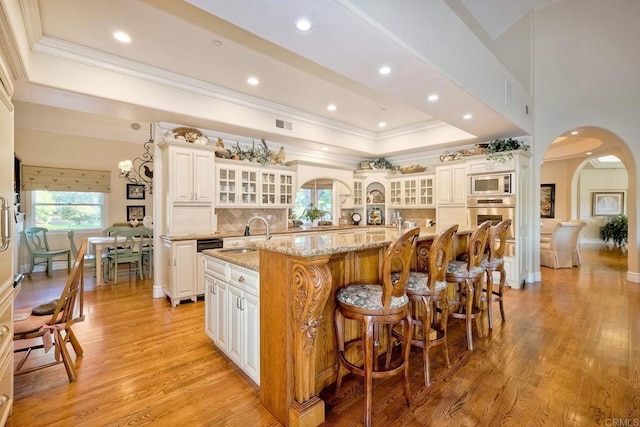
(234, 220)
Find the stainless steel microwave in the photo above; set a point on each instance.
(499, 183)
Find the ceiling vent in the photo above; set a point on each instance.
(281, 124)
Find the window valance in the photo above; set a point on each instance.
(63, 179)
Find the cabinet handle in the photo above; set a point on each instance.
(3, 330)
(213, 288)
(238, 303)
(241, 303)
(241, 279)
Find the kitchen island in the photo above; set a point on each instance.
(298, 282)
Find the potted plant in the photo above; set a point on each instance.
(313, 214)
(502, 149)
(616, 229)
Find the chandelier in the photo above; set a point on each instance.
(139, 170)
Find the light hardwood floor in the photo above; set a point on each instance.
(568, 354)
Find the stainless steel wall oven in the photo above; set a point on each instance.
(492, 208)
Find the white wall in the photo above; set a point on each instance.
(586, 68)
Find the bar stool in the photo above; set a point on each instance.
(427, 292)
(383, 303)
(468, 276)
(494, 261)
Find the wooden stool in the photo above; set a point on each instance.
(427, 292)
(384, 303)
(468, 276)
(494, 261)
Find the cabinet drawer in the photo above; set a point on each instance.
(248, 280)
(215, 267)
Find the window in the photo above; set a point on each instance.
(318, 192)
(64, 210)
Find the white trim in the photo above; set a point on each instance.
(633, 277)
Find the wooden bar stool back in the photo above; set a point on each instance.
(494, 261)
(427, 292)
(468, 276)
(384, 303)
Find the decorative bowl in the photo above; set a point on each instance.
(412, 169)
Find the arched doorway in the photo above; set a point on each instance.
(566, 158)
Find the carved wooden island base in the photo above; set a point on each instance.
(298, 283)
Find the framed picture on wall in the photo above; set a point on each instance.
(608, 203)
(135, 192)
(135, 212)
(547, 200)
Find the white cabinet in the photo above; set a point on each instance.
(191, 173)
(451, 183)
(215, 301)
(277, 188)
(188, 180)
(240, 185)
(232, 313)
(180, 270)
(412, 192)
(426, 193)
(358, 199)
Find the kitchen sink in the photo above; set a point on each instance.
(238, 250)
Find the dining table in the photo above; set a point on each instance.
(99, 243)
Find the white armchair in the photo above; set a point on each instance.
(575, 248)
(557, 251)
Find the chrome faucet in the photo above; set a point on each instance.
(266, 224)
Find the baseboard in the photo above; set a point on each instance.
(633, 277)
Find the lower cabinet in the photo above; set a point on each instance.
(180, 270)
(232, 313)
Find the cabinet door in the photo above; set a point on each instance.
(285, 189)
(184, 281)
(181, 161)
(395, 193)
(443, 182)
(459, 184)
(248, 187)
(409, 192)
(268, 195)
(227, 186)
(250, 306)
(235, 330)
(210, 309)
(220, 318)
(358, 199)
(203, 176)
(425, 192)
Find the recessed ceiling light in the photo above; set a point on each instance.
(384, 70)
(122, 37)
(303, 24)
(325, 148)
(575, 132)
(433, 97)
(331, 107)
(382, 124)
(467, 116)
(217, 43)
(253, 81)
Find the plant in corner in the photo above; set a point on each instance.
(616, 229)
(502, 149)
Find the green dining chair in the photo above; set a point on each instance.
(35, 239)
(128, 243)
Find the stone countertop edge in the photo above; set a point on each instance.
(290, 230)
(250, 260)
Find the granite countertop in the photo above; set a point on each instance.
(308, 246)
